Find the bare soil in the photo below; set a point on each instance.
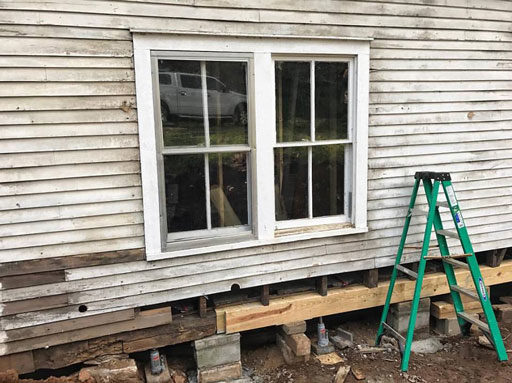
(462, 360)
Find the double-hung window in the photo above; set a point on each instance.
(248, 141)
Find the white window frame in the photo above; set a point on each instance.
(261, 93)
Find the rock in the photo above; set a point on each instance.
(115, 371)
(220, 373)
(342, 374)
(9, 376)
(426, 346)
(84, 376)
(340, 342)
(483, 341)
(358, 374)
(178, 376)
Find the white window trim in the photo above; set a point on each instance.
(262, 109)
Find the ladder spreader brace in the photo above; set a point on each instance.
(490, 329)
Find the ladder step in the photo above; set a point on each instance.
(454, 262)
(477, 322)
(419, 247)
(467, 292)
(451, 256)
(442, 204)
(448, 233)
(407, 271)
(395, 333)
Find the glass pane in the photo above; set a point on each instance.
(293, 103)
(185, 196)
(291, 177)
(227, 102)
(228, 189)
(181, 102)
(331, 99)
(328, 176)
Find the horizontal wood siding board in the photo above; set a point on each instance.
(40, 303)
(32, 279)
(44, 31)
(70, 262)
(52, 88)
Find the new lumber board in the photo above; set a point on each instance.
(253, 315)
(445, 310)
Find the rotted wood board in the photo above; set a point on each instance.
(310, 305)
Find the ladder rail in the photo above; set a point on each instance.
(398, 259)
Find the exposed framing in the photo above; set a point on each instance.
(261, 107)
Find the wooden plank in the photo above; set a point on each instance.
(23, 362)
(48, 88)
(149, 318)
(310, 305)
(202, 306)
(32, 279)
(65, 32)
(68, 130)
(41, 303)
(68, 325)
(71, 262)
(185, 330)
(265, 295)
(371, 278)
(495, 257)
(66, 103)
(445, 310)
(23, 61)
(321, 285)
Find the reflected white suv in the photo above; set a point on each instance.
(181, 96)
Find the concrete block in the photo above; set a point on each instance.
(405, 307)
(216, 374)
(321, 350)
(448, 326)
(288, 354)
(294, 328)
(217, 350)
(298, 343)
(400, 322)
(503, 312)
(344, 334)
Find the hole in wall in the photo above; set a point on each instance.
(82, 308)
(235, 287)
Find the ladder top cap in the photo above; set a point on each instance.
(433, 176)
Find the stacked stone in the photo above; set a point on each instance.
(294, 344)
(218, 359)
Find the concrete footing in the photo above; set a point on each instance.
(218, 359)
(399, 314)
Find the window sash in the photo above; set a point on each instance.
(348, 154)
(163, 150)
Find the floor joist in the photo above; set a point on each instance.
(248, 316)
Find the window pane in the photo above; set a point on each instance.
(181, 102)
(331, 100)
(328, 176)
(228, 189)
(291, 177)
(227, 102)
(293, 103)
(185, 196)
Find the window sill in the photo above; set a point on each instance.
(188, 248)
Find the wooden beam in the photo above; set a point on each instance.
(445, 310)
(22, 362)
(371, 278)
(265, 295)
(310, 305)
(321, 285)
(494, 258)
(202, 306)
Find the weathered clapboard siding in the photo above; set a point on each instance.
(441, 99)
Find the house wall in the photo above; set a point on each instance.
(441, 99)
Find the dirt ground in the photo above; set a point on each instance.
(461, 360)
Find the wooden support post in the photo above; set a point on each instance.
(321, 285)
(371, 278)
(202, 307)
(495, 257)
(265, 295)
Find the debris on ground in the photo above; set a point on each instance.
(329, 359)
(358, 374)
(342, 374)
(426, 346)
(483, 341)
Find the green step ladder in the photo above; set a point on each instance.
(432, 181)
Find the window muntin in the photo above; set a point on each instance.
(205, 171)
(312, 157)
